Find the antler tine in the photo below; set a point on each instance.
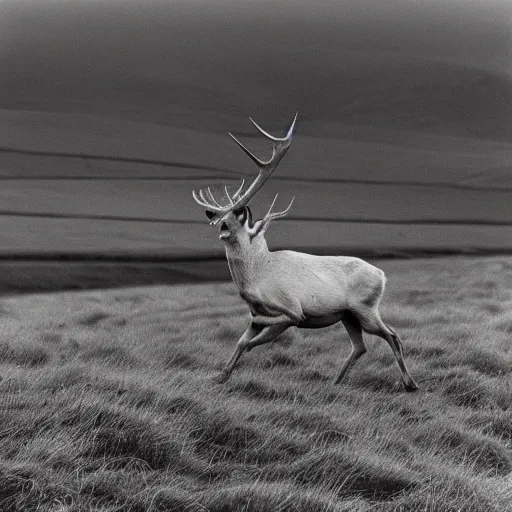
(271, 137)
(261, 130)
(279, 148)
(239, 191)
(203, 201)
(199, 199)
(254, 158)
(202, 196)
(272, 206)
(228, 196)
(212, 197)
(210, 200)
(284, 212)
(292, 126)
(275, 215)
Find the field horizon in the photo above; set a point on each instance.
(28, 273)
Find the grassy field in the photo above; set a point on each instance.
(108, 403)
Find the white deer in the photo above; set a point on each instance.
(288, 288)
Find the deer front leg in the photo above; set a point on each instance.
(256, 334)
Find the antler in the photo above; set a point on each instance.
(262, 225)
(271, 216)
(240, 198)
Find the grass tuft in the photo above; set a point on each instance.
(489, 363)
(465, 390)
(92, 319)
(269, 497)
(23, 355)
(179, 360)
(110, 354)
(256, 389)
(19, 486)
(117, 433)
(277, 359)
(346, 474)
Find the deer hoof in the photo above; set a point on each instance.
(411, 387)
(221, 377)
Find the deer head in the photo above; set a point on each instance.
(235, 218)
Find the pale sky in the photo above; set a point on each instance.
(127, 52)
(148, 35)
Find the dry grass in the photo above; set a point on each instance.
(107, 402)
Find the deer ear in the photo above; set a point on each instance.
(249, 215)
(210, 214)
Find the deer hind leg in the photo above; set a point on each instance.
(254, 335)
(355, 334)
(373, 324)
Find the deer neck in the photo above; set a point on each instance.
(246, 261)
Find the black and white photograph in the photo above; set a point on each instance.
(255, 256)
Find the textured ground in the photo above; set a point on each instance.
(108, 402)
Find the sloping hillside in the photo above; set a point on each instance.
(75, 183)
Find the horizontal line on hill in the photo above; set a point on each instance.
(341, 181)
(235, 174)
(163, 258)
(465, 222)
(63, 154)
(404, 183)
(122, 178)
(49, 215)
(348, 220)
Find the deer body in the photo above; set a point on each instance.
(288, 288)
(329, 285)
